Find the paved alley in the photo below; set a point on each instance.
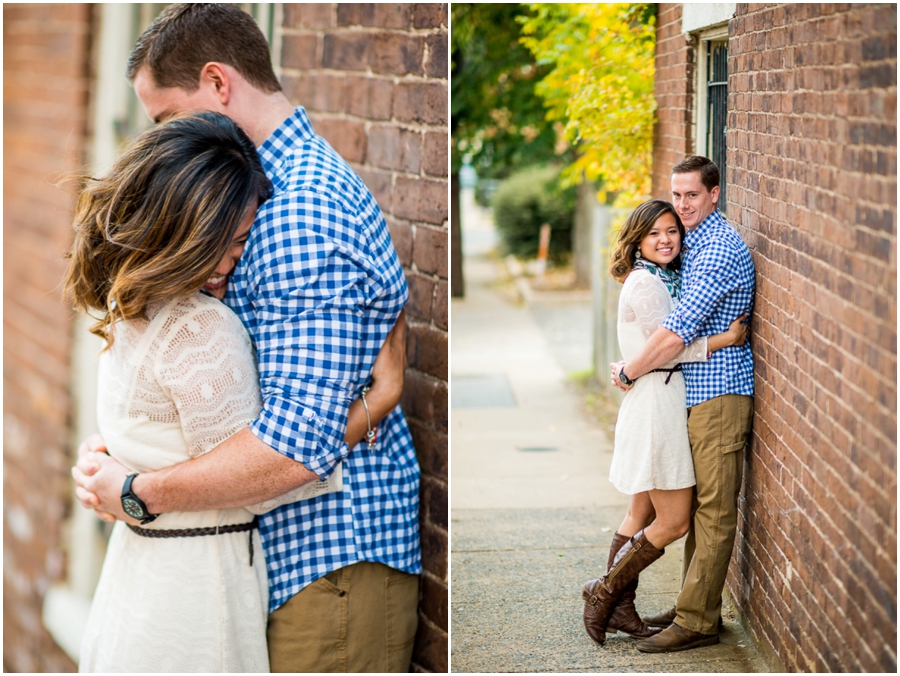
(532, 508)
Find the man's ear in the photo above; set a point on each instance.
(216, 78)
(715, 195)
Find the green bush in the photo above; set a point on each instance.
(525, 201)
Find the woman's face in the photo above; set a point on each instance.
(662, 244)
(217, 284)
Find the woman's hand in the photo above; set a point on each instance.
(737, 331)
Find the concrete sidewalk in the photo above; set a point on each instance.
(532, 509)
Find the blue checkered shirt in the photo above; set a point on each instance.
(717, 287)
(319, 287)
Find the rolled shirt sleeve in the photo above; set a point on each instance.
(700, 302)
(321, 309)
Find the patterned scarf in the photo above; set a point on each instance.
(670, 278)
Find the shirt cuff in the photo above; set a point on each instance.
(679, 327)
(300, 434)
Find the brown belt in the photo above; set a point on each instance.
(670, 371)
(195, 532)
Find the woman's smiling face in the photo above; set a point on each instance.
(663, 242)
(218, 283)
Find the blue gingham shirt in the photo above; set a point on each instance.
(319, 287)
(717, 286)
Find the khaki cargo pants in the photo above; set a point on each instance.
(361, 618)
(718, 430)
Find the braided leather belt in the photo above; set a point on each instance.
(670, 371)
(195, 532)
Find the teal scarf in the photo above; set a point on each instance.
(670, 278)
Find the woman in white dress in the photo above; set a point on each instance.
(652, 455)
(155, 242)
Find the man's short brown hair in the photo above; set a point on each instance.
(709, 172)
(187, 36)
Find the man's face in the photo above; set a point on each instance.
(692, 200)
(162, 102)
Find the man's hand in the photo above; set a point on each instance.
(615, 369)
(99, 479)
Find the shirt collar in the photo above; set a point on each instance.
(702, 232)
(295, 130)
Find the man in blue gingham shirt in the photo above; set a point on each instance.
(717, 287)
(319, 287)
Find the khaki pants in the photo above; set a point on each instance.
(718, 430)
(361, 618)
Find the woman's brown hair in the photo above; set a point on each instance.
(158, 224)
(637, 225)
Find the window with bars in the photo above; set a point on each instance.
(717, 109)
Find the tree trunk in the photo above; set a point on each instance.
(457, 286)
(581, 237)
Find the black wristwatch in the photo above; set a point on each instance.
(133, 505)
(625, 379)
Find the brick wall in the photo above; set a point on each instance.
(45, 94)
(373, 78)
(813, 179)
(672, 138)
(812, 169)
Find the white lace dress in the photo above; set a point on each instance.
(172, 388)
(652, 450)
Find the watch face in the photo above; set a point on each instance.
(132, 508)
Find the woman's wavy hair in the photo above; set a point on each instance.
(158, 224)
(637, 225)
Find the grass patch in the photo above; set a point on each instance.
(599, 400)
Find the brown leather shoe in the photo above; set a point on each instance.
(600, 596)
(663, 619)
(675, 638)
(624, 616)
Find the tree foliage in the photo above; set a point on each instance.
(599, 82)
(528, 199)
(496, 117)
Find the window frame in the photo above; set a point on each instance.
(705, 40)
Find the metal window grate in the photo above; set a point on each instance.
(717, 110)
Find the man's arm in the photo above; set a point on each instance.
(242, 470)
(662, 347)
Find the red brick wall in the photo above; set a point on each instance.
(812, 158)
(373, 78)
(45, 95)
(672, 138)
(812, 168)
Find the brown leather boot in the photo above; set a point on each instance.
(624, 617)
(661, 620)
(600, 596)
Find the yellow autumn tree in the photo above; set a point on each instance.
(600, 86)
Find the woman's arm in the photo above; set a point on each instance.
(699, 349)
(735, 335)
(387, 385)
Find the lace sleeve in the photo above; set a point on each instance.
(647, 302)
(207, 366)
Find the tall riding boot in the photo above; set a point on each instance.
(600, 596)
(624, 617)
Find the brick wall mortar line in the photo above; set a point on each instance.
(362, 30)
(368, 73)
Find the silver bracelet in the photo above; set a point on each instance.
(371, 433)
